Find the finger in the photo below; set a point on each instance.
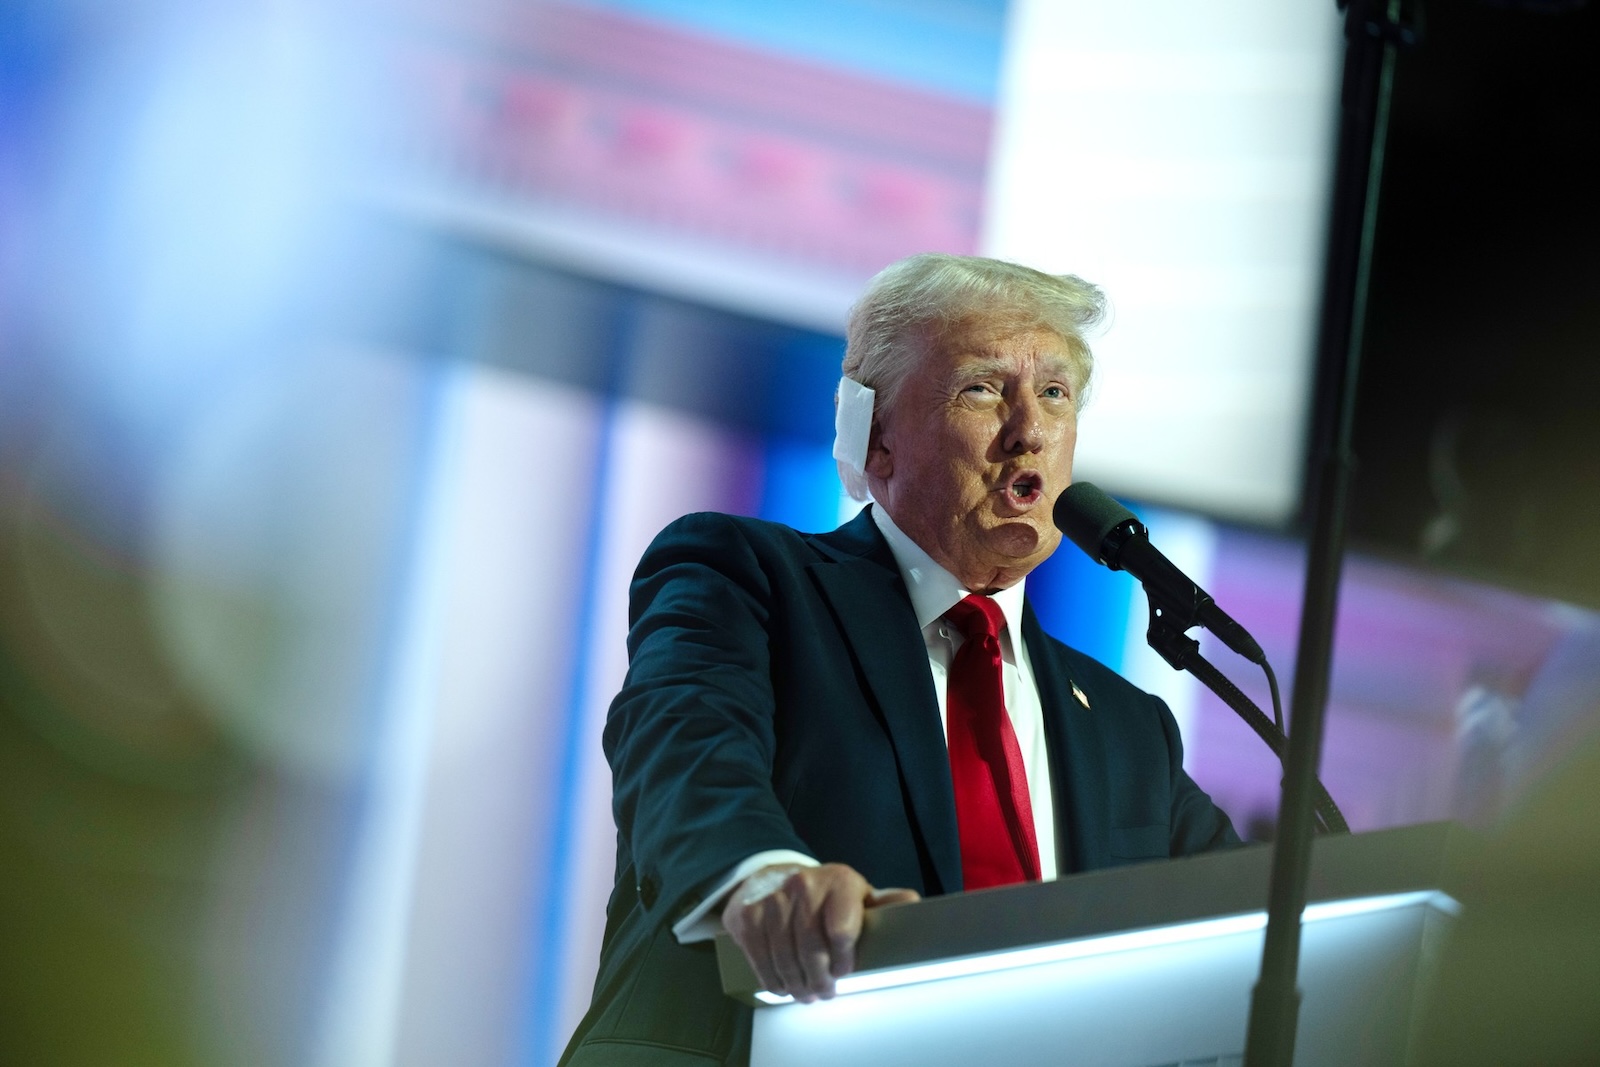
(754, 911)
(754, 938)
(841, 920)
(777, 917)
(787, 965)
(880, 897)
(812, 951)
(735, 919)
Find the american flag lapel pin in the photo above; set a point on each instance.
(1079, 694)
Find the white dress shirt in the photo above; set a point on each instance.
(934, 591)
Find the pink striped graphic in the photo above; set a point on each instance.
(558, 105)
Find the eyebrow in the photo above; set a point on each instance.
(985, 366)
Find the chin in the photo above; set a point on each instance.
(1018, 541)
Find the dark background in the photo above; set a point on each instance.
(1478, 425)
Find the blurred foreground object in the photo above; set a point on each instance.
(1520, 980)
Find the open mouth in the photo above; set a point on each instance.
(1025, 488)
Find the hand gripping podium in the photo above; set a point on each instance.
(1143, 966)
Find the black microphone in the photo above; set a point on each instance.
(1114, 536)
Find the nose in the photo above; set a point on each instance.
(1023, 431)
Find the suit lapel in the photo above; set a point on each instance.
(1072, 734)
(862, 584)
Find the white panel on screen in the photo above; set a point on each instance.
(661, 464)
(1178, 154)
(431, 957)
(509, 564)
(361, 1010)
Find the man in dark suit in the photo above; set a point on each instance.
(814, 725)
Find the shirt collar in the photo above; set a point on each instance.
(933, 589)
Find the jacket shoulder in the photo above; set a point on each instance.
(713, 525)
(717, 531)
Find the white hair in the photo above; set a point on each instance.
(920, 299)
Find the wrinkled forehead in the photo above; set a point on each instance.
(990, 339)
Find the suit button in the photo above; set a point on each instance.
(649, 888)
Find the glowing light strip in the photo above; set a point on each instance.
(1338, 909)
(1100, 946)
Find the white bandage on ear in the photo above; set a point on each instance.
(852, 428)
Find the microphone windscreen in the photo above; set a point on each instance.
(1085, 515)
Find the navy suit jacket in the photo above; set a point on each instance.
(778, 696)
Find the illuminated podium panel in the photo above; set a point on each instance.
(1144, 966)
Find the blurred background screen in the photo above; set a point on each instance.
(1180, 155)
(758, 157)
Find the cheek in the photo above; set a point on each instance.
(1061, 460)
(1065, 438)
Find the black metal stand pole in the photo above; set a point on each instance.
(1372, 32)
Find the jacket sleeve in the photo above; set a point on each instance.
(690, 737)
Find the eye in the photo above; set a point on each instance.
(1055, 392)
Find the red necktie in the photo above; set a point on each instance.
(998, 845)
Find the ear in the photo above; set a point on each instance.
(880, 461)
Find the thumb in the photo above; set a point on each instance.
(880, 897)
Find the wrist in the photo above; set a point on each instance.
(763, 883)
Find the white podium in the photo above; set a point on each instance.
(1144, 966)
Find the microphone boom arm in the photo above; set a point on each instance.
(1114, 537)
(1170, 617)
